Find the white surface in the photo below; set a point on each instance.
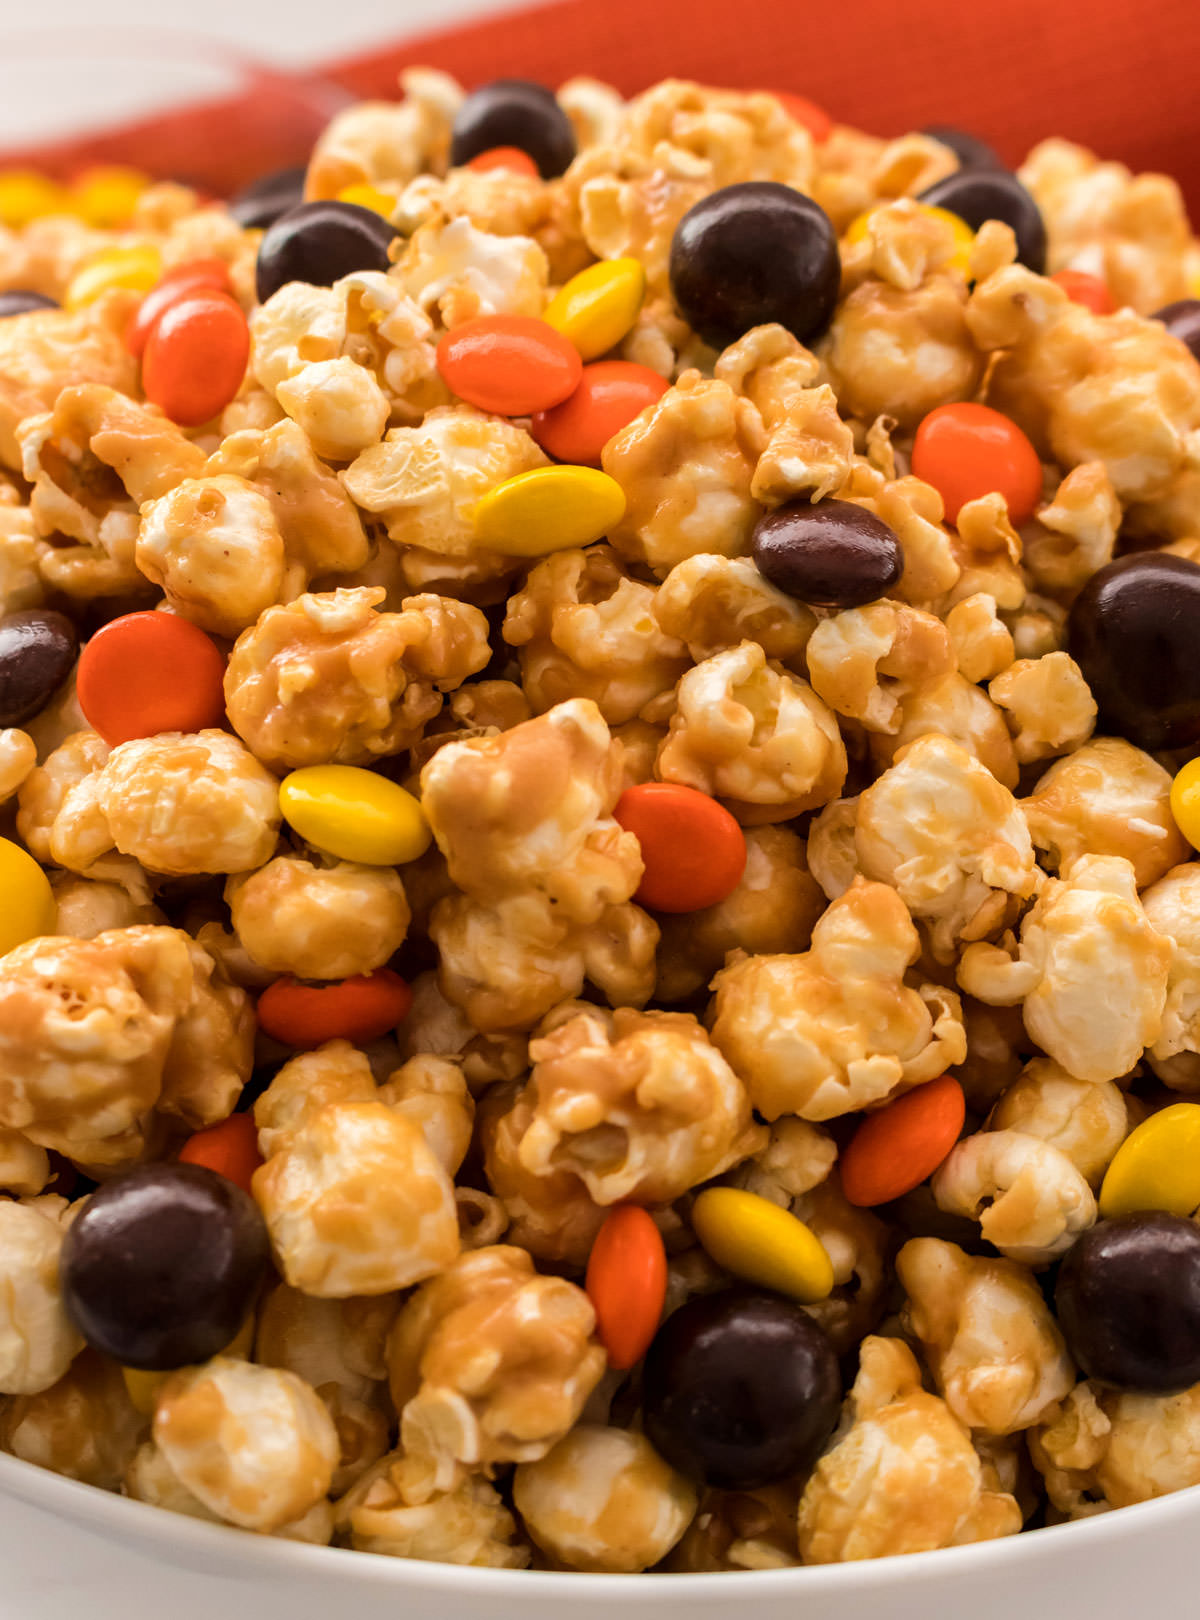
(109, 1559)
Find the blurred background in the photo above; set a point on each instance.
(1118, 76)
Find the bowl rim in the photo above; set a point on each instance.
(181, 1540)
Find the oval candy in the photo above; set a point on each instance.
(611, 393)
(355, 814)
(831, 555)
(596, 308)
(512, 365)
(1157, 1166)
(549, 509)
(27, 906)
(762, 1243)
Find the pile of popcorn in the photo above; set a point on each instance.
(947, 869)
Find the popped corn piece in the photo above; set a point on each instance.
(737, 135)
(402, 1509)
(85, 1029)
(756, 737)
(327, 679)
(319, 922)
(1085, 1120)
(1076, 534)
(902, 351)
(84, 1427)
(904, 244)
(425, 482)
(603, 1499)
(375, 141)
(914, 511)
(988, 551)
(686, 465)
(796, 1158)
(177, 802)
(212, 1049)
(38, 1340)
(1090, 970)
(491, 1363)
(1111, 1448)
(836, 1029)
(865, 662)
(338, 405)
(69, 771)
(1048, 703)
(318, 524)
(624, 204)
(551, 1216)
(859, 1246)
(455, 272)
(1038, 626)
(44, 352)
(531, 810)
(24, 1168)
(995, 1350)
(1106, 798)
(331, 1074)
(736, 1530)
(1029, 1199)
(356, 1203)
(639, 1106)
(212, 544)
(584, 628)
(961, 713)
(21, 584)
(983, 645)
(594, 109)
(1111, 388)
(950, 838)
(254, 1444)
(433, 1094)
(772, 911)
(18, 756)
(713, 603)
(902, 1476)
(150, 1478)
(809, 449)
(507, 961)
(1129, 229)
(435, 1026)
(1171, 909)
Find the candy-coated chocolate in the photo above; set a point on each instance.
(22, 301)
(832, 555)
(752, 254)
(355, 814)
(27, 908)
(549, 509)
(510, 364)
(903, 1143)
(119, 701)
(106, 195)
(967, 450)
(37, 649)
(740, 1389)
(320, 242)
(627, 1283)
(230, 1148)
(196, 356)
(171, 288)
(762, 1243)
(1133, 630)
(514, 112)
(597, 307)
(163, 1264)
(1087, 290)
(610, 394)
(977, 195)
(261, 203)
(693, 850)
(360, 1009)
(1128, 1302)
(1182, 320)
(971, 152)
(1157, 1166)
(504, 157)
(133, 268)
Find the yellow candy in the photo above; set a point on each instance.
(107, 195)
(135, 267)
(365, 196)
(143, 1387)
(355, 815)
(25, 195)
(755, 1239)
(27, 908)
(598, 306)
(964, 236)
(1185, 802)
(1157, 1166)
(549, 509)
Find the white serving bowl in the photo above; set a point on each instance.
(69, 1550)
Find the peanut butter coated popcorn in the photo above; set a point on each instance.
(480, 856)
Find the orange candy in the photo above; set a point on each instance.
(230, 1148)
(627, 1283)
(815, 119)
(966, 451)
(359, 1009)
(610, 394)
(693, 849)
(510, 364)
(504, 157)
(149, 672)
(1081, 288)
(898, 1148)
(176, 284)
(195, 356)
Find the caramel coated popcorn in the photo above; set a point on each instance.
(464, 848)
